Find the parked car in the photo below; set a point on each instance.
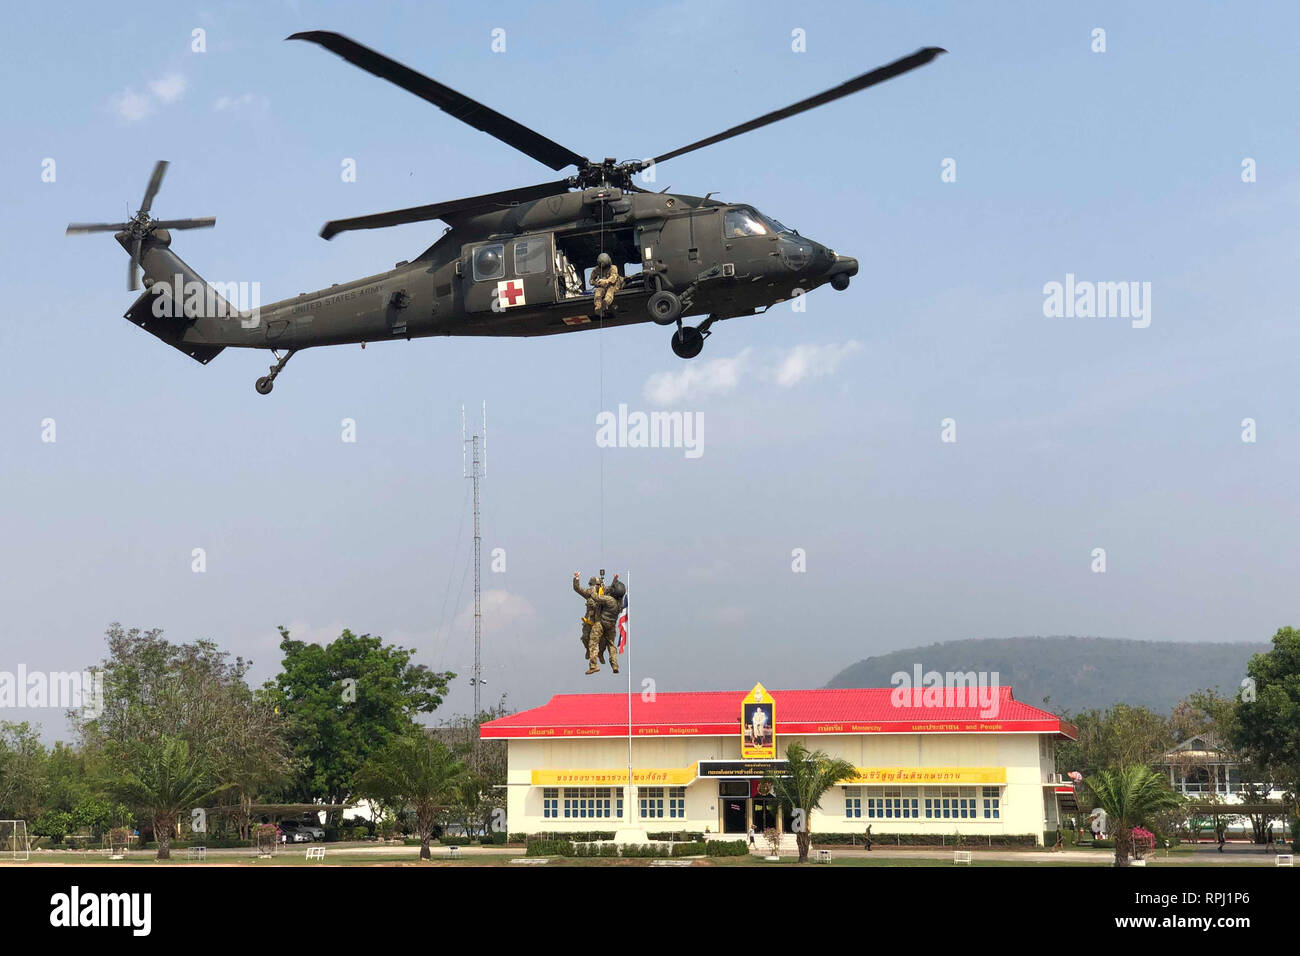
(301, 831)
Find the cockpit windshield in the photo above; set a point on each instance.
(744, 222)
(777, 226)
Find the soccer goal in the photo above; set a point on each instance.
(13, 840)
(116, 842)
(268, 840)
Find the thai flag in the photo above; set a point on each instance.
(622, 626)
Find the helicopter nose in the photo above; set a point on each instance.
(842, 269)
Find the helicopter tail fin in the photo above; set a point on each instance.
(175, 330)
(179, 306)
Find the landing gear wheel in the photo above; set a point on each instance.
(267, 382)
(664, 307)
(688, 341)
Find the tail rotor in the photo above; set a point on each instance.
(141, 225)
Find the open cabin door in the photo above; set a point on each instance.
(504, 274)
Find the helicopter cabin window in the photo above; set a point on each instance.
(531, 255)
(744, 222)
(490, 262)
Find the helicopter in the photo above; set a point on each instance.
(510, 263)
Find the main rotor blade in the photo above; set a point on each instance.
(185, 223)
(440, 210)
(159, 170)
(75, 228)
(878, 75)
(132, 282)
(448, 100)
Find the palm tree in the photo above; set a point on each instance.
(162, 780)
(808, 775)
(1130, 796)
(418, 771)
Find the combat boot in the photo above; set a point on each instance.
(593, 668)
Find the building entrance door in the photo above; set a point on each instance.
(765, 813)
(735, 813)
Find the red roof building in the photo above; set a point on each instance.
(927, 760)
(825, 711)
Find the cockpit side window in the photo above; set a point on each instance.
(742, 222)
(531, 255)
(490, 262)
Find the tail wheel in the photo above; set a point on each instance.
(664, 307)
(688, 341)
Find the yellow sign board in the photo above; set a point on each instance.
(912, 776)
(758, 725)
(650, 777)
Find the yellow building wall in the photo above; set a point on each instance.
(1027, 762)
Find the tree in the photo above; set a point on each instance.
(162, 780)
(153, 689)
(417, 771)
(1209, 715)
(1267, 729)
(1116, 737)
(1131, 796)
(343, 701)
(22, 771)
(483, 793)
(1204, 712)
(808, 775)
(69, 778)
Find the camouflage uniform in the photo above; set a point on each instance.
(607, 282)
(592, 623)
(606, 608)
(609, 621)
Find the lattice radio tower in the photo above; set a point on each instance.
(474, 466)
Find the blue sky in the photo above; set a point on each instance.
(822, 428)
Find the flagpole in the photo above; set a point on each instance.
(628, 664)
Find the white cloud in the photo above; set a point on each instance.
(133, 107)
(710, 377)
(812, 361)
(501, 610)
(130, 105)
(169, 88)
(718, 376)
(225, 103)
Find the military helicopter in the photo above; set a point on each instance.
(510, 263)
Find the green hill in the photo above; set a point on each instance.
(1077, 673)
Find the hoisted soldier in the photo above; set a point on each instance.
(606, 280)
(593, 627)
(609, 621)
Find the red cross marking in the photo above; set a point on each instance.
(511, 292)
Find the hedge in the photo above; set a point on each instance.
(677, 836)
(968, 840)
(577, 836)
(549, 848)
(568, 848)
(726, 848)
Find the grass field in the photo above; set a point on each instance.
(408, 857)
